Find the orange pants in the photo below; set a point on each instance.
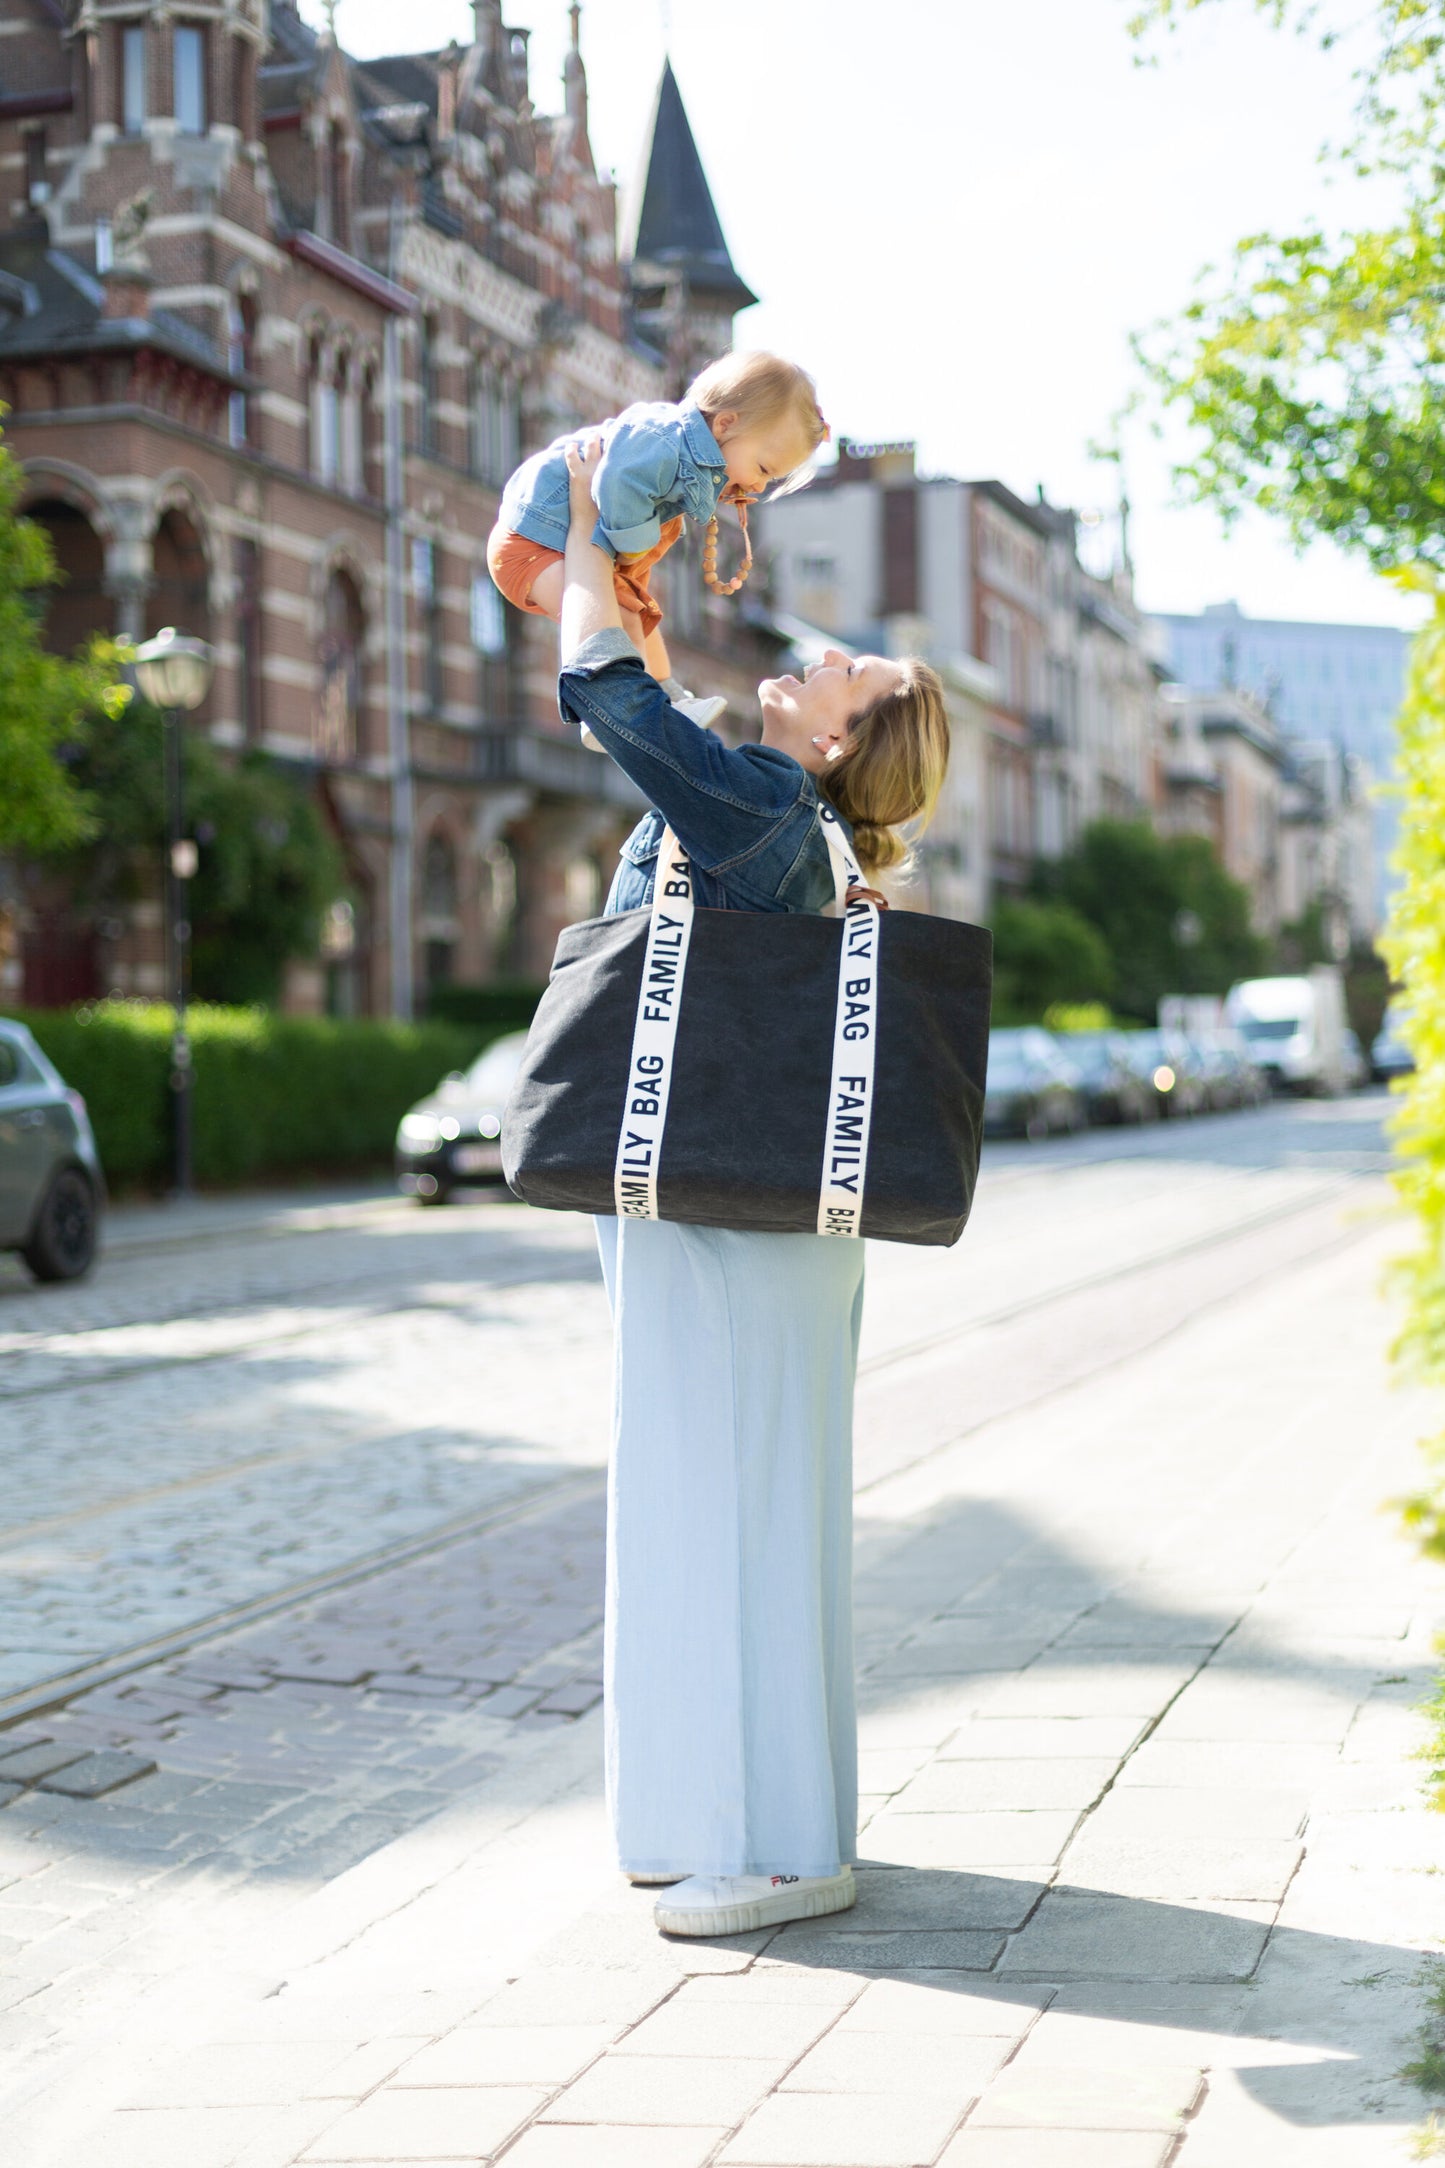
(514, 564)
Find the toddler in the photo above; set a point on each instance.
(749, 420)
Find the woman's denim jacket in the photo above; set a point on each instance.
(657, 461)
(747, 816)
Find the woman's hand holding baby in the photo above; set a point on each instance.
(582, 463)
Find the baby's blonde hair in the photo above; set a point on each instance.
(896, 764)
(761, 388)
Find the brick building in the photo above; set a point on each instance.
(274, 327)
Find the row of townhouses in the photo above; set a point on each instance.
(275, 324)
(1068, 705)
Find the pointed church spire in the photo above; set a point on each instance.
(678, 229)
(574, 80)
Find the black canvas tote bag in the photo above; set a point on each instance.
(767, 1071)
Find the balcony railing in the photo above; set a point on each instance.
(516, 753)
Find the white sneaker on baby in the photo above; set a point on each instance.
(702, 711)
(733, 1904)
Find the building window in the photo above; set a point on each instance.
(242, 358)
(325, 419)
(426, 431)
(189, 57)
(582, 889)
(439, 878)
(338, 195)
(248, 635)
(495, 426)
(37, 186)
(490, 638)
(336, 733)
(350, 426)
(133, 78)
(435, 670)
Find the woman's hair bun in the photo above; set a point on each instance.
(897, 760)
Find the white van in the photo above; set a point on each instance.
(1294, 1029)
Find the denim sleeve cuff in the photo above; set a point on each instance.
(600, 648)
(631, 541)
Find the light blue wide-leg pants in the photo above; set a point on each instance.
(731, 1734)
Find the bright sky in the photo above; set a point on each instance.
(956, 213)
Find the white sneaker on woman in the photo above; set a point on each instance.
(733, 1904)
(652, 1881)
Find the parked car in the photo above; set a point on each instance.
(452, 1138)
(1219, 1084)
(1389, 1055)
(1033, 1090)
(1357, 1069)
(1250, 1084)
(1169, 1066)
(52, 1191)
(1112, 1088)
(1294, 1027)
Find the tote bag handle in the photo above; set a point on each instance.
(855, 1032)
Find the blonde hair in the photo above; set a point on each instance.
(761, 388)
(895, 767)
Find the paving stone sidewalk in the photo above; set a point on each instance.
(1147, 1878)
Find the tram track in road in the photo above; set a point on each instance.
(1085, 1283)
(274, 1461)
(1025, 1345)
(61, 1687)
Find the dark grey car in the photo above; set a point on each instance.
(51, 1188)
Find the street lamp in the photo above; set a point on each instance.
(174, 673)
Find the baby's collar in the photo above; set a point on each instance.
(701, 442)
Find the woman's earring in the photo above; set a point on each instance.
(834, 752)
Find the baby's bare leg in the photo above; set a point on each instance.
(655, 655)
(547, 588)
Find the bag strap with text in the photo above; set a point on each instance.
(654, 1035)
(654, 1038)
(855, 1034)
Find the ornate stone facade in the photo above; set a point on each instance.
(274, 326)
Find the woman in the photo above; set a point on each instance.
(731, 1737)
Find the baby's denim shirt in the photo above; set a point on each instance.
(657, 461)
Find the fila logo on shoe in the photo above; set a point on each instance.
(779, 1881)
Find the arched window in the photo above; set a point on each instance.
(242, 358)
(499, 902)
(439, 909)
(79, 605)
(583, 889)
(439, 877)
(426, 371)
(349, 430)
(336, 732)
(325, 416)
(338, 187)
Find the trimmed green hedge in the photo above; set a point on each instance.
(509, 1005)
(272, 1094)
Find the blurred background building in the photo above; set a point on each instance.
(275, 325)
(274, 328)
(1332, 685)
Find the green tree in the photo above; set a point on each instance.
(42, 697)
(1044, 953)
(1170, 916)
(1414, 948)
(268, 863)
(1311, 373)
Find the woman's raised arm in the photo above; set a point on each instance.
(589, 597)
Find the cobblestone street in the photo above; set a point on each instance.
(302, 1852)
